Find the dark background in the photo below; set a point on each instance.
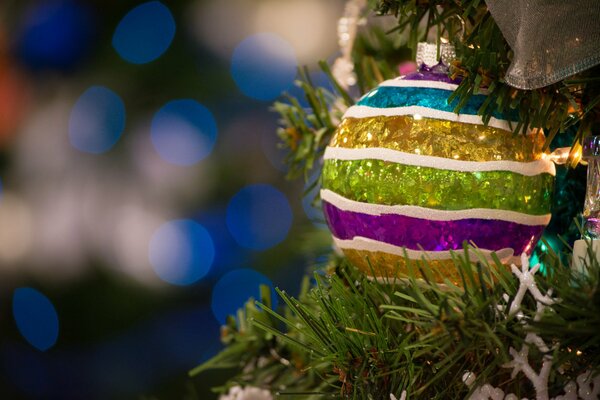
(78, 227)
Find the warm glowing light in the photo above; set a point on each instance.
(528, 247)
(289, 19)
(16, 229)
(575, 154)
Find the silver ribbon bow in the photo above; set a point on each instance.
(551, 39)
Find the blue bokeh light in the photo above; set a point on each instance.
(259, 217)
(234, 289)
(263, 66)
(183, 132)
(35, 317)
(181, 252)
(55, 35)
(97, 120)
(144, 33)
(229, 255)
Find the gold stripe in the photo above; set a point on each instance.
(389, 266)
(432, 137)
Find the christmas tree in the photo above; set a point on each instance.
(481, 313)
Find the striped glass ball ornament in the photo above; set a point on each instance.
(406, 177)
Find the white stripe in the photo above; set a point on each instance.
(531, 168)
(364, 244)
(428, 213)
(366, 111)
(399, 82)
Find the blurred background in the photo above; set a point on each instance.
(142, 193)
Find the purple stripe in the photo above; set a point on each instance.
(411, 232)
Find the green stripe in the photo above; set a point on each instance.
(383, 182)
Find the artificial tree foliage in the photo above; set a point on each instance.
(348, 336)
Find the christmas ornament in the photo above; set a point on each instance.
(343, 67)
(246, 393)
(405, 176)
(591, 212)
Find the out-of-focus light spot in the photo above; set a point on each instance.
(97, 120)
(144, 33)
(36, 318)
(183, 132)
(55, 35)
(234, 289)
(259, 217)
(131, 231)
(16, 229)
(37, 148)
(181, 252)
(545, 247)
(289, 19)
(229, 255)
(263, 66)
(534, 260)
(15, 97)
(59, 239)
(164, 181)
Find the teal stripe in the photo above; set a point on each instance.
(392, 96)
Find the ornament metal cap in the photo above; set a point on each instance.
(591, 147)
(427, 53)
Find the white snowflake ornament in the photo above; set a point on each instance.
(247, 393)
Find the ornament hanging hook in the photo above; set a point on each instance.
(343, 67)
